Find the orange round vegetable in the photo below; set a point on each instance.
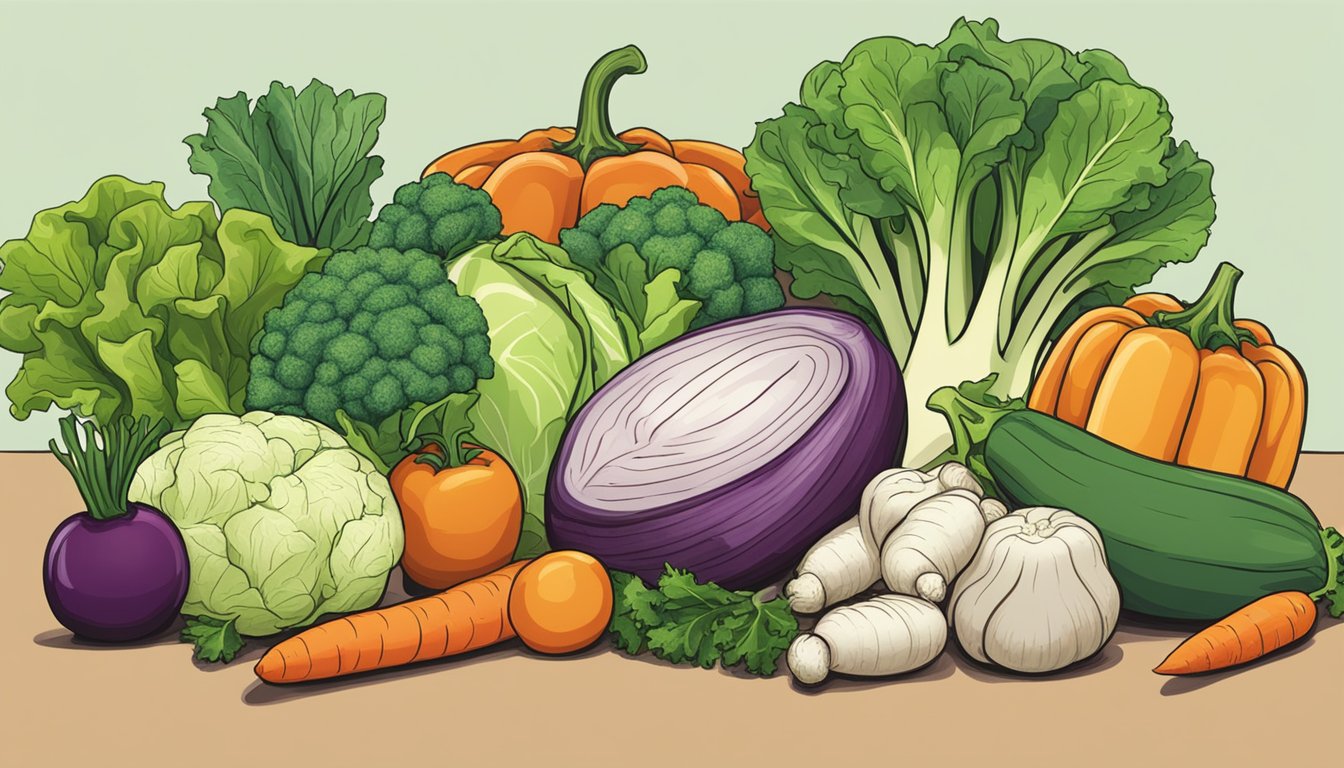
(462, 514)
(1188, 385)
(548, 178)
(561, 602)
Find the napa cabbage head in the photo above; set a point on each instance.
(969, 199)
(283, 521)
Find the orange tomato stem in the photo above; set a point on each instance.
(1209, 322)
(455, 451)
(593, 135)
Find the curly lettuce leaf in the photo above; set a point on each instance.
(121, 304)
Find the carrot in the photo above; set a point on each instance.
(465, 618)
(1259, 628)
(557, 603)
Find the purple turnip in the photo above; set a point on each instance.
(117, 572)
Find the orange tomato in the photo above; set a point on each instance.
(461, 522)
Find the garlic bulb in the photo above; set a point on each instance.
(1038, 595)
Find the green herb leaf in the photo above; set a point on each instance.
(301, 158)
(971, 412)
(215, 639)
(686, 622)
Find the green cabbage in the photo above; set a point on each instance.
(283, 521)
(554, 340)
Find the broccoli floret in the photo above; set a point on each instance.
(727, 266)
(370, 334)
(436, 215)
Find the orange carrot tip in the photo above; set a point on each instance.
(1263, 626)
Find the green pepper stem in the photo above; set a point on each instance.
(593, 135)
(1209, 322)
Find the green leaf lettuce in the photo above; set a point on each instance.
(122, 304)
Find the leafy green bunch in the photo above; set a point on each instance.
(968, 199)
(123, 305)
(685, 622)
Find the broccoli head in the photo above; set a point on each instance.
(436, 215)
(727, 266)
(372, 333)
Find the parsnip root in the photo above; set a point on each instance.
(934, 543)
(886, 635)
(837, 568)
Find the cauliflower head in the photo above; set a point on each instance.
(283, 521)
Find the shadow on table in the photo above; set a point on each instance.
(64, 639)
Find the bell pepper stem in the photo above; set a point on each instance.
(1209, 321)
(593, 135)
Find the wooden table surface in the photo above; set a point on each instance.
(65, 703)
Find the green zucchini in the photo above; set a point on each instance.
(1182, 543)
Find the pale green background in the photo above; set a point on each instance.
(97, 88)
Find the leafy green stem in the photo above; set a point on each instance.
(1334, 558)
(104, 461)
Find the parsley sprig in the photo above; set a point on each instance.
(686, 622)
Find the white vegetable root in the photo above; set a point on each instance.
(992, 509)
(886, 635)
(837, 568)
(891, 495)
(933, 544)
(847, 560)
